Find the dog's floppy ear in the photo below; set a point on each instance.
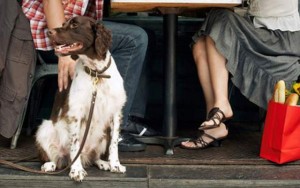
(103, 40)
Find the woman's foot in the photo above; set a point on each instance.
(216, 116)
(210, 137)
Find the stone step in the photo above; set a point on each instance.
(181, 176)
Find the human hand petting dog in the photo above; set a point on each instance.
(66, 69)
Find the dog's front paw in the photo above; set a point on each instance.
(48, 167)
(77, 174)
(117, 167)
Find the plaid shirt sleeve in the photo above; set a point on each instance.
(34, 11)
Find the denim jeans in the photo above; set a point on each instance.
(129, 47)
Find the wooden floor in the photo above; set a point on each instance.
(235, 164)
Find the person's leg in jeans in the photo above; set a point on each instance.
(138, 108)
(129, 46)
(136, 124)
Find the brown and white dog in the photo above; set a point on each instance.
(59, 138)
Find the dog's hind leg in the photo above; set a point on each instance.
(46, 139)
(113, 157)
(102, 165)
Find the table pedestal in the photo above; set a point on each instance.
(168, 140)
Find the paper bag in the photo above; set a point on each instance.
(281, 135)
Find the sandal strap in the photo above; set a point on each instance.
(201, 141)
(209, 136)
(213, 115)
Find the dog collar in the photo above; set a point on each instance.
(98, 73)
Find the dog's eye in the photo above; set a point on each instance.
(73, 25)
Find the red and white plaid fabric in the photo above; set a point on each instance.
(34, 11)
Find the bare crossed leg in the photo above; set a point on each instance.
(213, 77)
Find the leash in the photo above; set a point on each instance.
(27, 169)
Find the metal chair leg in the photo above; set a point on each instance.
(15, 138)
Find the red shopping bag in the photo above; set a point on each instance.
(281, 135)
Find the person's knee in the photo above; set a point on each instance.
(209, 41)
(130, 36)
(141, 37)
(199, 50)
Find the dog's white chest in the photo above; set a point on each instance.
(110, 94)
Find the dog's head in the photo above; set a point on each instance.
(81, 35)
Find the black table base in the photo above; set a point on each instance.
(168, 140)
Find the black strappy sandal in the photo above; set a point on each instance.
(214, 114)
(199, 143)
